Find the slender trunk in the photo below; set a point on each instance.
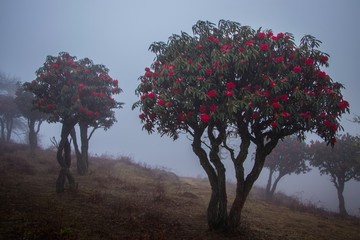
(77, 151)
(275, 185)
(268, 186)
(64, 159)
(222, 217)
(340, 190)
(32, 135)
(9, 127)
(84, 163)
(244, 185)
(2, 129)
(213, 206)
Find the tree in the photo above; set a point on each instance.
(340, 162)
(8, 84)
(233, 80)
(74, 92)
(288, 157)
(34, 117)
(8, 114)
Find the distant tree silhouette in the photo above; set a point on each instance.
(288, 157)
(340, 162)
(9, 112)
(34, 117)
(74, 92)
(233, 80)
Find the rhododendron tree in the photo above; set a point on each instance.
(289, 156)
(233, 80)
(341, 163)
(74, 92)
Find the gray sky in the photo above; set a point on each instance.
(118, 34)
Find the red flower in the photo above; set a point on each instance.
(309, 61)
(324, 59)
(82, 109)
(297, 69)
(147, 69)
(264, 47)
(205, 118)
(54, 65)
(213, 108)
(284, 97)
(202, 109)
(279, 59)
(280, 35)
(142, 116)
(211, 93)
(89, 113)
(275, 38)
(198, 66)
(286, 114)
(161, 102)
(305, 115)
(81, 85)
(208, 72)
(249, 43)
(50, 106)
(343, 104)
(115, 82)
(276, 105)
(226, 48)
(272, 84)
(273, 124)
(213, 39)
(171, 74)
(149, 74)
(181, 117)
(261, 35)
(255, 115)
(321, 74)
(230, 85)
(229, 93)
(151, 95)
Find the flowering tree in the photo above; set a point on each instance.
(286, 158)
(74, 92)
(341, 163)
(233, 80)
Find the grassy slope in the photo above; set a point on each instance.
(123, 200)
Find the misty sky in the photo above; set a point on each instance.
(118, 34)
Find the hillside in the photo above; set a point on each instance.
(120, 199)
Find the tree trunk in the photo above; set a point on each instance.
(268, 185)
(9, 127)
(64, 159)
(77, 151)
(340, 190)
(244, 185)
(273, 188)
(2, 129)
(83, 164)
(216, 211)
(32, 135)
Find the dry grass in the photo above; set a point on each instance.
(120, 199)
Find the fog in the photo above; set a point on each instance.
(118, 34)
